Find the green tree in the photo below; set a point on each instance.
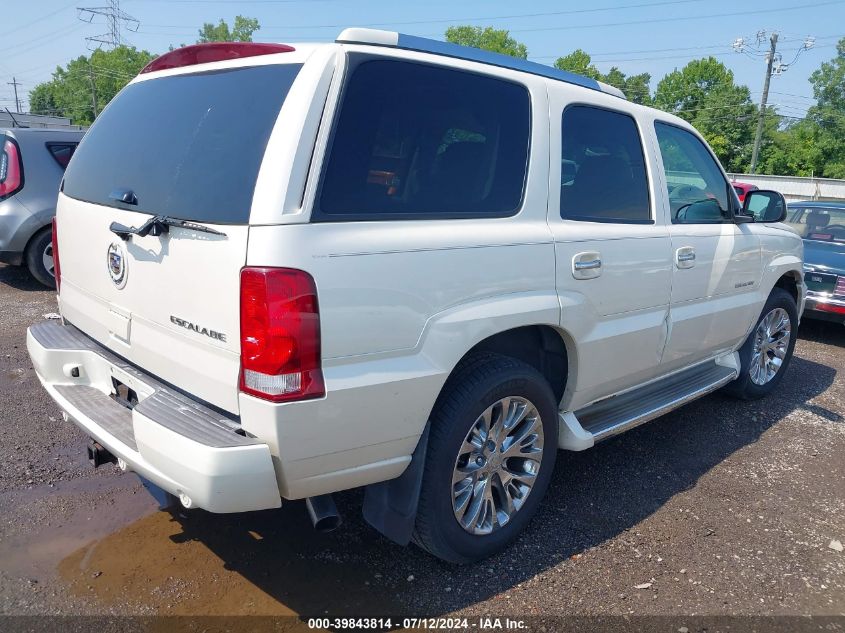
(791, 150)
(242, 30)
(488, 38)
(704, 93)
(829, 114)
(579, 62)
(71, 90)
(635, 87)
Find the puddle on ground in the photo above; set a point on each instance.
(80, 512)
(261, 563)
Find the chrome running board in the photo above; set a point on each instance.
(617, 414)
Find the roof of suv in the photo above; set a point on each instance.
(393, 39)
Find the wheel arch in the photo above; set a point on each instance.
(391, 506)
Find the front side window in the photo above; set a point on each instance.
(603, 174)
(698, 192)
(414, 141)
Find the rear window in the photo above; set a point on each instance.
(188, 146)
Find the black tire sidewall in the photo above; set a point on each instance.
(744, 386)
(33, 258)
(451, 541)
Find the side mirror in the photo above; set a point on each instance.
(765, 206)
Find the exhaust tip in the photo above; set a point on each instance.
(323, 513)
(327, 524)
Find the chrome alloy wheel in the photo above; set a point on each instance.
(497, 465)
(771, 342)
(47, 260)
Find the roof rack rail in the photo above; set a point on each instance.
(424, 45)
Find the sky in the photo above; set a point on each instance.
(654, 36)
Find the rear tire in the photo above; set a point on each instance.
(39, 257)
(765, 351)
(516, 406)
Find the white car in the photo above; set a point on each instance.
(402, 264)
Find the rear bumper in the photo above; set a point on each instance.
(177, 443)
(825, 307)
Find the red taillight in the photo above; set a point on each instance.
(827, 307)
(57, 269)
(11, 170)
(280, 335)
(213, 52)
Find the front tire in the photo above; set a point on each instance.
(490, 457)
(765, 355)
(39, 258)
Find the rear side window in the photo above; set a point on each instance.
(188, 146)
(61, 152)
(414, 141)
(603, 174)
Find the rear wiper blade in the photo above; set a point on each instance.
(159, 225)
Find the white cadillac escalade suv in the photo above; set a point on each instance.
(391, 262)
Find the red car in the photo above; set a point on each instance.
(743, 188)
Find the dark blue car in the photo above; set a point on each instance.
(822, 225)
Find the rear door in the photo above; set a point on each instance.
(186, 146)
(611, 245)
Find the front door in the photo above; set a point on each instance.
(716, 269)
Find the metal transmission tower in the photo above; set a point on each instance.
(116, 20)
(774, 66)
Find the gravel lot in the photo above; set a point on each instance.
(720, 508)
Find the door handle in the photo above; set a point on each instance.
(586, 265)
(595, 263)
(685, 257)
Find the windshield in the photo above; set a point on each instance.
(187, 146)
(819, 223)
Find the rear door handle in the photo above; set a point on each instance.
(586, 265)
(685, 257)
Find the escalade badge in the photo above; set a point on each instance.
(116, 264)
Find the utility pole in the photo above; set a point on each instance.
(758, 137)
(93, 90)
(15, 83)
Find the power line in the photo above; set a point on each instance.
(680, 18)
(469, 19)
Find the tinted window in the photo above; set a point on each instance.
(603, 175)
(188, 146)
(61, 152)
(413, 140)
(698, 192)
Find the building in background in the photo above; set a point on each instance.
(17, 119)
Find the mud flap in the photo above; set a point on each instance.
(391, 506)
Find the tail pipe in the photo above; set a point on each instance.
(323, 513)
